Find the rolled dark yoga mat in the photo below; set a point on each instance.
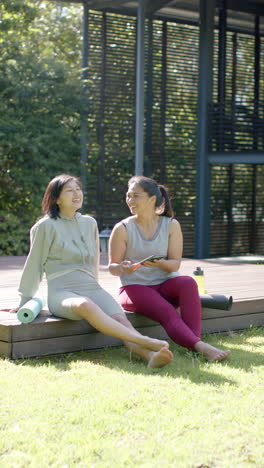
(216, 301)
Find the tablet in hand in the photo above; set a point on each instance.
(151, 258)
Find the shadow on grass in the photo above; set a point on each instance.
(186, 364)
(239, 342)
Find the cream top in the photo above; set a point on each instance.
(59, 246)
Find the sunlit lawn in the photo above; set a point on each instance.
(99, 409)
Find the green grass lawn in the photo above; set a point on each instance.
(99, 409)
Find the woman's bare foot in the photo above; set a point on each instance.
(210, 352)
(160, 358)
(152, 343)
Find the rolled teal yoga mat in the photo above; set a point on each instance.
(30, 310)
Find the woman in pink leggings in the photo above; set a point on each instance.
(154, 288)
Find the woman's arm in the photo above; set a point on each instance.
(33, 269)
(174, 255)
(117, 250)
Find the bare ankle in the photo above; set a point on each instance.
(199, 346)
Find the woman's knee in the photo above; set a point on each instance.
(82, 307)
(187, 282)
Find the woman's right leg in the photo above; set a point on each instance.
(88, 310)
(185, 290)
(147, 301)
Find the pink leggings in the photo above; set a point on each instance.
(159, 302)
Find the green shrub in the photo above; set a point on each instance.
(14, 235)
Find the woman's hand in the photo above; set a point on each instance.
(155, 263)
(14, 310)
(168, 265)
(127, 267)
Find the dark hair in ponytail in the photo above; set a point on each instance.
(161, 192)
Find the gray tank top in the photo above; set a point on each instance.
(138, 248)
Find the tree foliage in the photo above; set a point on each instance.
(39, 117)
(40, 108)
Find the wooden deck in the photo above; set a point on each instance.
(50, 335)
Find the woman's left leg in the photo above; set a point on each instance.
(182, 291)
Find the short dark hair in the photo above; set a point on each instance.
(52, 193)
(151, 187)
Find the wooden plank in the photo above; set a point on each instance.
(238, 308)
(248, 306)
(47, 326)
(5, 349)
(237, 322)
(63, 328)
(90, 341)
(51, 329)
(96, 340)
(61, 345)
(5, 333)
